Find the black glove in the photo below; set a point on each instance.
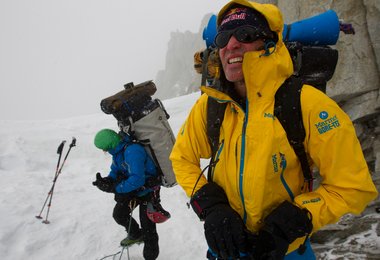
(282, 226)
(105, 184)
(224, 228)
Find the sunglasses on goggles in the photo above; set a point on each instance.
(244, 34)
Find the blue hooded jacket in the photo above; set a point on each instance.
(132, 164)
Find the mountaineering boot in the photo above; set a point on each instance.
(132, 240)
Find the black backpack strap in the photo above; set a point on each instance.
(289, 113)
(151, 154)
(215, 116)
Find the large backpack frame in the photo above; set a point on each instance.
(146, 121)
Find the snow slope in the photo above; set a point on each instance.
(81, 216)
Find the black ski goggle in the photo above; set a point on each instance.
(244, 34)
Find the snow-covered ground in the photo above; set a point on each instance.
(81, 225)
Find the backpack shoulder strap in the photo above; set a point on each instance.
(287, 110)
(154, 181)
(215, 116)
(289, 113)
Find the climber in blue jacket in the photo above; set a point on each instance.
(135, 182)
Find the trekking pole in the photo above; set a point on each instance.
(59, 151)
(129, 227)
(113, 256)
(73, 143)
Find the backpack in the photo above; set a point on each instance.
(146, 121)
(314, 65)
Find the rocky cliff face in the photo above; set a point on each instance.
(355, 87)
(179, 77)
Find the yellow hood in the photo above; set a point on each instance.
(264, 74)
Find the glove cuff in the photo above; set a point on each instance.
(206, 197)
(289, 221)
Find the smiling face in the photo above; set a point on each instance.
(241, 29)
(232, 56)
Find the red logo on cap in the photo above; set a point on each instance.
(233, 15)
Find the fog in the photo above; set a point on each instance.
(60, 58)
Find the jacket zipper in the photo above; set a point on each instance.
(283, 167)
(242, 161)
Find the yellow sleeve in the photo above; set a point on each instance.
(332, 144)
(191, 145)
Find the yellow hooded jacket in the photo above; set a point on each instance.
(257, 167)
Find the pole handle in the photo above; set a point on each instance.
(73, 142)
(60, 147)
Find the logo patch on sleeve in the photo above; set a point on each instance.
(323, 115)
(327, 123)
(274, 161)
(315, 200)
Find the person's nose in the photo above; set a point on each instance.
(233, 43)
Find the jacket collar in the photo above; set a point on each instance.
(120, 147)
(263, 74)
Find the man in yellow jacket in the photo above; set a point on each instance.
(255, 206)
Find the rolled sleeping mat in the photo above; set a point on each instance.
(322, 29)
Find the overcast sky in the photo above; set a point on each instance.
(59, 58)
